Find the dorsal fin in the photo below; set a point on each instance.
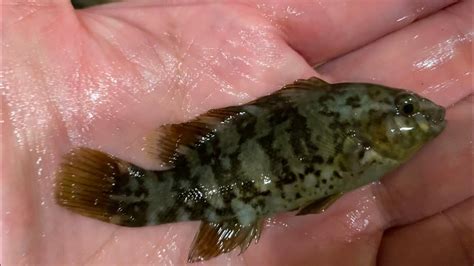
(289, 90)
(304, 84)
(311, 84)
(170, 141)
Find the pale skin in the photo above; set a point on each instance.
(105, 77)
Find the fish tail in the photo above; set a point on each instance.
(101, 186)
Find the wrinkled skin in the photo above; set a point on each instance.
(104, 77)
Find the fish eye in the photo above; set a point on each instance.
(408, 109)
(406, 104)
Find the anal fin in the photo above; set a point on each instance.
(320, 205)
(214, 239)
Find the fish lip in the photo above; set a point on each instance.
(438, 121)
(439, 127)
(440, 116)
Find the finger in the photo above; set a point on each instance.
(438, 177)
(432, 56)
(444, 239)
(321, 30)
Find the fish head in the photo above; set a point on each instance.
(402, 123)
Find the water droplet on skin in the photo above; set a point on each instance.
(271, 222)
(420, 9)
(404, 18)
(360, 219)
(442, 52)
(293, 11)
(366, 222)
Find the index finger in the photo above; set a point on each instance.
(321, 30)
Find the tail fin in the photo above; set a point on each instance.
(98, 185)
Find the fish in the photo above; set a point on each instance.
(296, 150)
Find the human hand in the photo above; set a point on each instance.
(105, 77)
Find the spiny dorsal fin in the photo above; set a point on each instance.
(214, 239)
(289, 90)
(169, 142)
(311, 84)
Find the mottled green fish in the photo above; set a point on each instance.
(297, 149)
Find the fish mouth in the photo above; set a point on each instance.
(438, 128)
(438, 121)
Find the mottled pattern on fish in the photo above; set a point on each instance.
(234, 166)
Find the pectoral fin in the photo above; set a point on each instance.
(320, 205)
(214, 239)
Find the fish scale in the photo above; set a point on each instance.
(299, 148)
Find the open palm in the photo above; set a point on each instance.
(106, 76)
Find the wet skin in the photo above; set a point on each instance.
(103, 78)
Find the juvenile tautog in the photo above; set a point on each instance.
(297, 149)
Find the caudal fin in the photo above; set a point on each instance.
(98, 185)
